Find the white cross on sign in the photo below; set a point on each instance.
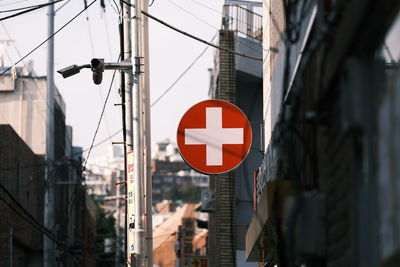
(214, 136)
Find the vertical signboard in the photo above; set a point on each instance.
(198, 261)
(187, 239)
(131, 205)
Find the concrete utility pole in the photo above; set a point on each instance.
(127, 54)
(48, 244)
(138, 147)
(138, 115)
(147, 136)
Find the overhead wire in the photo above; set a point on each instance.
(199, 39)
(103, 141)
(192, 14)
(115, 7)
(43, 97)
(30, 95)
(15, 2)
(221, 13)
(91, 41)
(92, 145)
(64, 159)
(30, 10)
(212, 26)
(62, 6)
(73, 196)
(128, 4)
(182, 74)
(22, 8)
(28, 217)
(100, 119)
(48, 38)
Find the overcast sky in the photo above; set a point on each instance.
(97, 36)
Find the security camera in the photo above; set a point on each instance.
(97, 66)
(69, 71)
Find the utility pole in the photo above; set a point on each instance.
(123, 111)
(48, 244)
(147, 136)
(138, 146)
(127, 54)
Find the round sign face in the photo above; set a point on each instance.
(214, 136)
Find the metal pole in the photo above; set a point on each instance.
(127, 54)
(138, 148)
(48, 244)
(11, 244)
(123, 111)
(147, 137)
(117, 231)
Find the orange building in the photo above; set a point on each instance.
(166, 245)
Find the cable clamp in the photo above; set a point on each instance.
(138, 65)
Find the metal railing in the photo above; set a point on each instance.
(243, 21)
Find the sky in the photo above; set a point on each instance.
(95, 34)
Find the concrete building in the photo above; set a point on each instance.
(23, 107)
(327, 187)
(173, 238)
(103, 179)
(170, 171)
(165, 151)
(238, 80)
(22, 175)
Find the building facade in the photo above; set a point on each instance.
(238, 80)
(326, 190)
(23, 108)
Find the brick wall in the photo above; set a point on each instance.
(221, 239)
(22, 174)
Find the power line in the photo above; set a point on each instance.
(22, 8)
(198, 39)
(92, 47)
(32, 220)
(182, 74)
(48, 38)
(63, 159)
(101, 117)
(73, 196)
(12, 3)
(221, 13)
(190, 13)
(116, 8)
(103, 141)
(63, 5)
(212, 26)
(28, 10)
(128, 4)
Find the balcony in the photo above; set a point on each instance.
(244, 21)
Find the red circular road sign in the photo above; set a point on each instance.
(214, 136)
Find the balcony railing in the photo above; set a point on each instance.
(242, 20)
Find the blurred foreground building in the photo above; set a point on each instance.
(327, 190)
